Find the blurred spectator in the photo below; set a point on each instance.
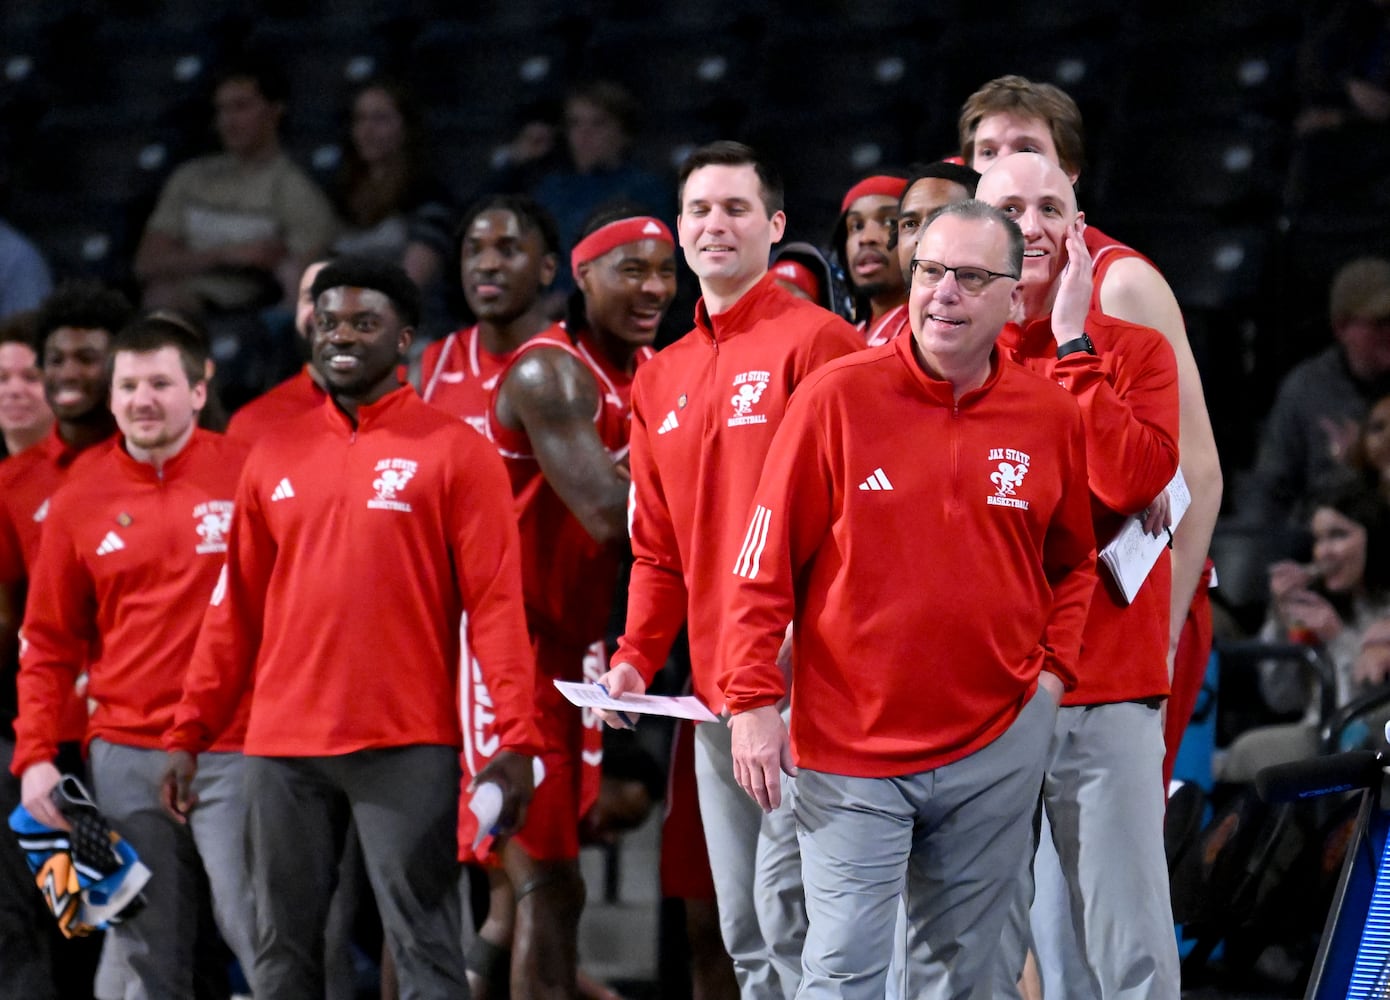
(802, 269)
(24, 277)
(531, 153)
(232, 231)
(600, 123)
(1332, 602)
(1321, 402)
(1369, 454)
(1344, 68)
(392, 207)
(24, 414)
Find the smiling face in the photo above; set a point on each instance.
(725, 230)
(23, 410)
(1036, 194)
(1339, 550)
(155, 406)
(628, 289)
(74, 372)
(868, 226)
(504, 266)
(358, 341)
(954, 330)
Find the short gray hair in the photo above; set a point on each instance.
(983, 211)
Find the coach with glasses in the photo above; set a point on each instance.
(923, 518)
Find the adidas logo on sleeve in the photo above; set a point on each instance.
(669, 424)
(283, 490)
(876, 481)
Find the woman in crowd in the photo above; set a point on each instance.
(391, 205)
(1334, 601)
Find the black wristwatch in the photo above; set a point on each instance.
(1081, 343)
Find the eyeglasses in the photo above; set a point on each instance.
(972, 280)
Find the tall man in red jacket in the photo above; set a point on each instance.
(131, 549)
(372, 561)
(924, 520)
(703, 414)
(1103, 789)
(1011, 114)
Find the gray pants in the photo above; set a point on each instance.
(151, 955)
(1104, 800)
(757, 872)
(405, 804)
(947, 841)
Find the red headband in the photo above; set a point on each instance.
(891, 187)
(799, 275)
(614, 235)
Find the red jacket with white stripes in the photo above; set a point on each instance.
(1128, 393)
(704, 411)
(936, 555)
(371, 569)
(128, 560)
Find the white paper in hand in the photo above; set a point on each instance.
(593, 696)
(1132, 553)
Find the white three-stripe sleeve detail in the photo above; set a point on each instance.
(753, 543)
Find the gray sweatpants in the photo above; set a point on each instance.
(947, 840)
(151, 954)
(1104, 800)
(405, 804)
(757, 872)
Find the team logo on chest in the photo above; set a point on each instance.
(211, 520)
(1007, 470)
(392, 476)
(748, 392)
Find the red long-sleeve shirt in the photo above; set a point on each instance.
(27, 484)
(266, 414)
(358, 558)
(1128, 392)
(128, 560)
(936, 555)
(704, 411)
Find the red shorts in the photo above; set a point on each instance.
(572, 757)
(685, 871)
